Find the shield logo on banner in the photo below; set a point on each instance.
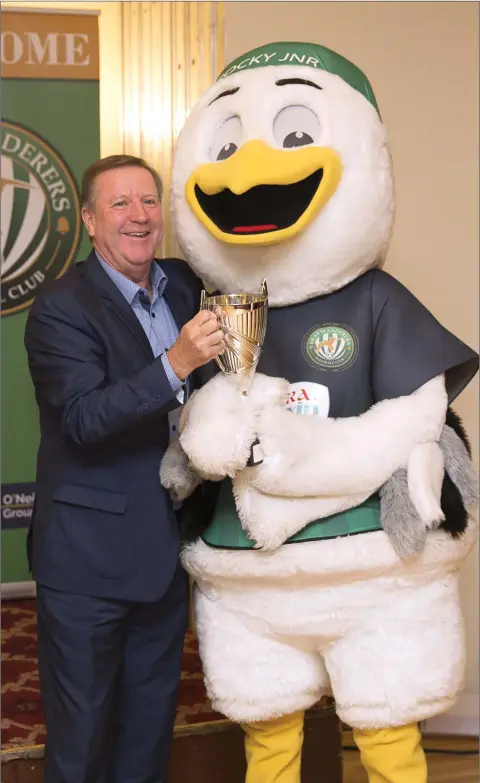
(40, 216)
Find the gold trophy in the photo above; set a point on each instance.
(243, 320)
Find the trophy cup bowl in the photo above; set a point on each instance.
(243, 320)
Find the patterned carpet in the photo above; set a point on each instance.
(22, 714)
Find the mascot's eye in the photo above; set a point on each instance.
(296, 126)
(297, 139)
(227, 150)
(227, 139)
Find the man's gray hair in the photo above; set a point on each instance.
(109, 163)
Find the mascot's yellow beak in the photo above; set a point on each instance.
(261, 195)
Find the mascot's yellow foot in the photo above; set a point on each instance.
(274, 749)
(392, 755)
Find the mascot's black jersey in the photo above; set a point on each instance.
(343, 352)
(367, 342)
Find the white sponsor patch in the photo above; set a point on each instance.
(308, 399)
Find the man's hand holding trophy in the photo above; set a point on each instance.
(219, 422)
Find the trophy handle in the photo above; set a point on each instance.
(264, 288)
(203, 296)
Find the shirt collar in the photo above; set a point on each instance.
(158, 278)
(128, 288)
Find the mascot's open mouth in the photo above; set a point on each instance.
(260, 195)
(262, 209)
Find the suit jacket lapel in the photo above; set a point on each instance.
(117, 302)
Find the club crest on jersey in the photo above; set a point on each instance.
(330, 346)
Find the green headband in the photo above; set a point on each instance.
(306, 54)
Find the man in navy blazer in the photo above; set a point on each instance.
(114, 347)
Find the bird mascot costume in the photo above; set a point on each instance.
(330, 567)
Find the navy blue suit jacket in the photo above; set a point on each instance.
(102, 523)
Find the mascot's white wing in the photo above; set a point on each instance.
(313, 467)
(270, 519)
(356, 455)
(221, 423)
(317, 467)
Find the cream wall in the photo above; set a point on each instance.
(422, 59)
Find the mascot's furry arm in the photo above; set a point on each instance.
(270, 518)
(307, 456)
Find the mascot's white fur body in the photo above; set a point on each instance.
(279, 631)
(284, 623)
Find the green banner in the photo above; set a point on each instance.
(50, 134)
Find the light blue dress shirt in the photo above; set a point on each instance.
(157, 322)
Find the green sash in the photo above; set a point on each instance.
(225, 530)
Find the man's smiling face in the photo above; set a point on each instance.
(125, 218)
